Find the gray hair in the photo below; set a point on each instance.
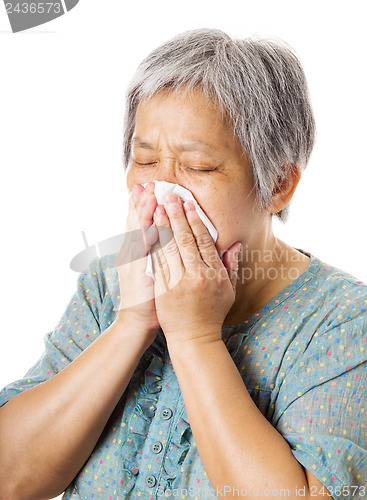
(259, 85)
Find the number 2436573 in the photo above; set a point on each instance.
(344, 491)
(33, 8)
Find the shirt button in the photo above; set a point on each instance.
(151, 480)
(157, 447)
(166, 413)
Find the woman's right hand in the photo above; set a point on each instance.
(137, 305)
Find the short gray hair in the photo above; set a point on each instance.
(259, 85)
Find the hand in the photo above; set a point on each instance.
(137, 305)
(194, 289)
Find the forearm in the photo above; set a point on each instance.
(48, 432)
(237, 445)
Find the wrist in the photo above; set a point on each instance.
(135, 331)
(185, 343)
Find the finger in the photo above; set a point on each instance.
(164, 278)
(160, 270)
(231, 258)
(204, 241)
(138, 200)
(146, 206)
(183, 236)
(140, 234)
(132, 221)
(142, 203)
(169, 252)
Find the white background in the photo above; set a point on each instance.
(62, 90)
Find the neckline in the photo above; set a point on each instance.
(278, 299)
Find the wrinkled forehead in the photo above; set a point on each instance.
(204, 110)
(185, 94)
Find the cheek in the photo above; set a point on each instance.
(227, 224)
(129, 179)
(222, 215)
(226, 210)
(217, 203)
(133, 178)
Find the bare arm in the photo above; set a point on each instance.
(49, 431)
(250, 454)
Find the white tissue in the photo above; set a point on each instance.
(160, 190)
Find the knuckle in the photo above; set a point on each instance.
(185, 239)
(165, 235)
(200, 278)
(171, 248)
(204, 241)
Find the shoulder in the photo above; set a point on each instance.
(329, 319)
(97, 291)
(97, 267)
(332, 276)
(98, 272)
(335, 294)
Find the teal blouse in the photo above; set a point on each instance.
(302, 358)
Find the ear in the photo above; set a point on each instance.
(284, 190)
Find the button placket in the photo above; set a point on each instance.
(159, 440)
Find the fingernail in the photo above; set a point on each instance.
(161, 210)
(171, 198)
(189, 206)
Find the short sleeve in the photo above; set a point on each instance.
(89, 312)
(321, 407)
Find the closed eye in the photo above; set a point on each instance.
(151, 163)
(194, 169)
(201, 170)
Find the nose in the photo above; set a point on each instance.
(165, 171)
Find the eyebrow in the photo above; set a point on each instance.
(185, 146)
(142, 144)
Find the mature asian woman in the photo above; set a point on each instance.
(240, 369)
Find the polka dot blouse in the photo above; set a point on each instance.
(302, 358)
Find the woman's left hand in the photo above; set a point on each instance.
(194, 289)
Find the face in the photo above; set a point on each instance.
(182, 139)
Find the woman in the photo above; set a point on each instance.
(232, 373)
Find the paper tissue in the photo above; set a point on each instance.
(160, 190)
